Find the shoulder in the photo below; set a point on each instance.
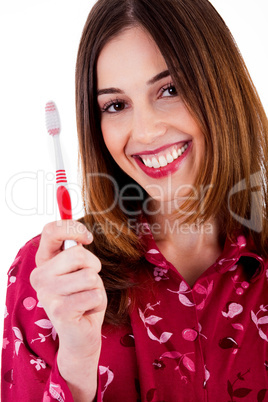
(24, 261)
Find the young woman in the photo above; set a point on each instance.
(168, 300)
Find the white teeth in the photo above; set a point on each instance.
(149, 163)
(169, 158)
(161, 161)
(175, 154)
(155, 163)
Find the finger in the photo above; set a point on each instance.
(74, 259)
(73, 307)
(87, 302)
(75, 282)
(55, 233)
(64, 263)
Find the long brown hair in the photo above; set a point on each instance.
(212, 79)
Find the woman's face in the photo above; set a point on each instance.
(146, 127)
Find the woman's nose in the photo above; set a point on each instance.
(148, 125)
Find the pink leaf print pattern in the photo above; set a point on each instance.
(183, 286)
(29, 303)
(19, 339)
(18, 333)
(160, 274)
(205, 291)
(239, 286)
(191, 334)
(45, 324)
(151, 335)
(207, 376)
(233, 268)
(46, 397)
(6, 312)
(56, 392)
(12, 279)
(188, 363)
(224, 260)
(110, 376)
(238, 326)
(200, 289)
(254, 318)
(262, 335)
(39, 363)
(263, 320)
(165, 337)
(183, 289)
(185, 301)
(5, 343)
(171, 355)
(42, 337)
(152, 320)
(14, 264)
(260, 321)
(13, 271)
(201, 305)
(240, 242)
(181, 360)
(153, 251)
(234, 309)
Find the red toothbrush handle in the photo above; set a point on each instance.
(64, 202)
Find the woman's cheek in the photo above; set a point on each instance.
(115, 134)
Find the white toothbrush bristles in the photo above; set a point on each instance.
(63, 196)
(52, 118)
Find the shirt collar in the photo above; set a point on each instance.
(233, 250)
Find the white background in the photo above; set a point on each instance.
(38, 45)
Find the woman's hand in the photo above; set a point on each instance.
(72, 294)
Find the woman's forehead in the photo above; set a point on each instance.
(133, 51)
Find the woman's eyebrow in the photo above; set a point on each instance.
(158, 77)
(109, 91)
(152, 81)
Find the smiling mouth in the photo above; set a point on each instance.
(164, 158)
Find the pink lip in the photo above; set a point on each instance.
(158, 150)
(166, 170)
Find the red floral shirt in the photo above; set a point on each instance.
(205, 343)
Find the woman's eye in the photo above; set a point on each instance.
(114, 107)
(170, 90)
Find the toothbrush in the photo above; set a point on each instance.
(63, 196)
